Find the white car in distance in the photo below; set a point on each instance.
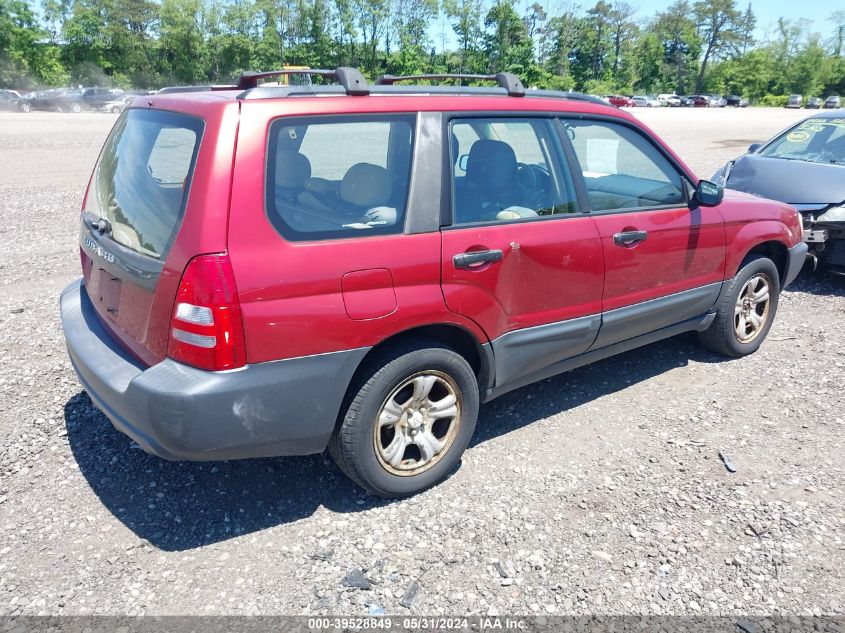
(673, 101)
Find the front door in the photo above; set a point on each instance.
(518, 256)
(664, 262)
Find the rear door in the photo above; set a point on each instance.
(664, 262)
(518, 255)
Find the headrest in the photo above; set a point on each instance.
(366, 185)
(491, 164)
(292, 169)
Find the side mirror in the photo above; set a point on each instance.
(462, 162)
(708, 194)
(754, 147)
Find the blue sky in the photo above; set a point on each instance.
(767, 12)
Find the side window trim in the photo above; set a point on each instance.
(557, 155)
(686, 181)
(425, 207)
(573, 166)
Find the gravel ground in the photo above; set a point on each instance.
(600, 491)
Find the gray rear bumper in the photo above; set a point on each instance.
(796, 256)
(178, 412)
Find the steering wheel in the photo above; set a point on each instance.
(536, 183)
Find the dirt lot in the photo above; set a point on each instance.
(598, 491)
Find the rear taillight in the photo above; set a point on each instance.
(206, 329)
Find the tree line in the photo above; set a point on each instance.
(701, 46)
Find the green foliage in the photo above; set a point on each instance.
(601, 47)
(774, 101)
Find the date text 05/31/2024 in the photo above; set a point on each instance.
(416, 623)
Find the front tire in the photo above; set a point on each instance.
(746, 310)
(410, 416)
(76, 108)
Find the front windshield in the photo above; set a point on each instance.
(816, 140)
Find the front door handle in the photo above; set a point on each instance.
(629, 238)
(467, 260)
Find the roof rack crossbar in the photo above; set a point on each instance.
(350, 78)
(508, 81)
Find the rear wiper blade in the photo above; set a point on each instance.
(102, 226)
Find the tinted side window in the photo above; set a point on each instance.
(622, 170)
(330, 177)
(507, 169)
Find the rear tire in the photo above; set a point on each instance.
(25, 107)
(410, 415)
(746, 310)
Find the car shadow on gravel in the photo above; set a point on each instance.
(585, 384)
(183, 505)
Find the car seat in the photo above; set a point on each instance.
(491, 183)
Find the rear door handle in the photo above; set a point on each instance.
(627, 238)
(466, 260)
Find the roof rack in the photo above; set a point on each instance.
(276, 92)
(351, 79)
(508, 81)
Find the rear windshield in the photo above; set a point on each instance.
(141, 182)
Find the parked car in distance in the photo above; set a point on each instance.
(115, 106)
(794, 101)
(833, 101)
(673, 101)
(814, 103)
(804, 166)
(12, 101)
(43, 99)
(531, 233)
(735, 101)
(102, 99)
(74, 100)
(716, 101)
(698, 101)
(69, 100)
(620, 101)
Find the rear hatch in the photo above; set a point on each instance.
(132, 213)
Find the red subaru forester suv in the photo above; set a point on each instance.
(274, 270)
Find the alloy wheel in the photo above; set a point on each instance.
(751, 311)
(417, 423)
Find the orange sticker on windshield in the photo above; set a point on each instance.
(797, 136)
